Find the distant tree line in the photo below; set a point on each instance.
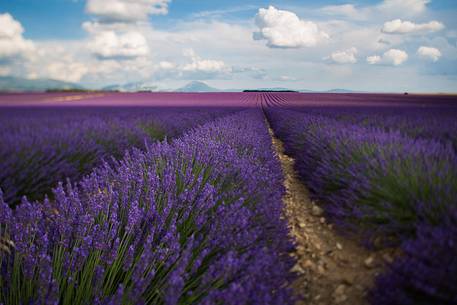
(51, 90)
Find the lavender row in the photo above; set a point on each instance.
(41, 146)
(194, 221)
(389, 188)
(426, 273)
(427, 122)
(367, 177)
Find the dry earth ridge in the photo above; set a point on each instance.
(332, 269)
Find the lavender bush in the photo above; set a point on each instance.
(367, 177)
(382, 183)
(194, 221)
(41, 146)
(430, 122)
(426, 273)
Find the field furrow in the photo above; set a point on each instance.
(228, 198)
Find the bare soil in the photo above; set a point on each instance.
(332, 269)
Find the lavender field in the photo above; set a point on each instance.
(178, 198)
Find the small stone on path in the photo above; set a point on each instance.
(317, 211)
(369, 262)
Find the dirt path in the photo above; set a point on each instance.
(333, 270)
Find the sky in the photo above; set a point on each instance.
(369, 45)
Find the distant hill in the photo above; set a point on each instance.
(197, 86)
(17, 84)
(14, 84)
(132, 87)
(279, 89)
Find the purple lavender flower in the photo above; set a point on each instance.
(426, 273)
(194, 220)
(42, 146)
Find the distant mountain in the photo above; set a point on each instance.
(197, 86)
(17, 84)
(12, 84)
(274, 89)
(133, 87)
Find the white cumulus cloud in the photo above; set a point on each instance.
(66, 71)
(345, 57)
(286, 78)
(346, 10)
(430, 53)
(283, 29)
(399, 26)
(404, 7)
(374, 59)
(392, 8)
(126, 10)
(393, 57)
(12, 43)
(198, 64)
(194, 67)
(166, 65)
(110, 44)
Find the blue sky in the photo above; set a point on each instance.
(372, 45)
(64, 17)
